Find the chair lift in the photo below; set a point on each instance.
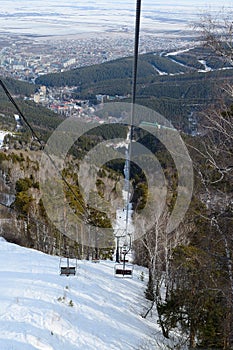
(67, 269)
(124, 269)
(95, 257)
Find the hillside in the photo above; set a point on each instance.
(176, 84)
(40, 118)
(39, 309)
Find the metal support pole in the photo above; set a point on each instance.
(124, 264)
(118, 250)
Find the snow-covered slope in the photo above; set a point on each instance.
(39, 309)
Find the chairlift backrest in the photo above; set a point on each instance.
(68, 270)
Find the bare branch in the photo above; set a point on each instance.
(217, 33)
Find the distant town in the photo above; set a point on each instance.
(25, 58)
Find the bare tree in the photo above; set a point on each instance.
(215, 151)
(156, 246)
(217, 33)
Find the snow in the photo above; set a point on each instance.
(2, 135)
(39, 309)
(206, 68)
(72, 17)
(17, 119)
(175, 53)
(159, 71)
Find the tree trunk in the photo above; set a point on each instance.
(150, 286)
(192, 343)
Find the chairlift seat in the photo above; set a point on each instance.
(68, 270)
(121, 271)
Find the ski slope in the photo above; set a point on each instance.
(39, 309)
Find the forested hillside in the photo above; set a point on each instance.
(177, 85)
(174, 84)
(41, 119)
(24, 219)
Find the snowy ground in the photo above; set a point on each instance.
(39, 309)
(2, 135)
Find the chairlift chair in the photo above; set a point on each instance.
(95, 256)
(123, 270)
(67, 270)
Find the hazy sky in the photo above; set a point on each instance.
(75, 16)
